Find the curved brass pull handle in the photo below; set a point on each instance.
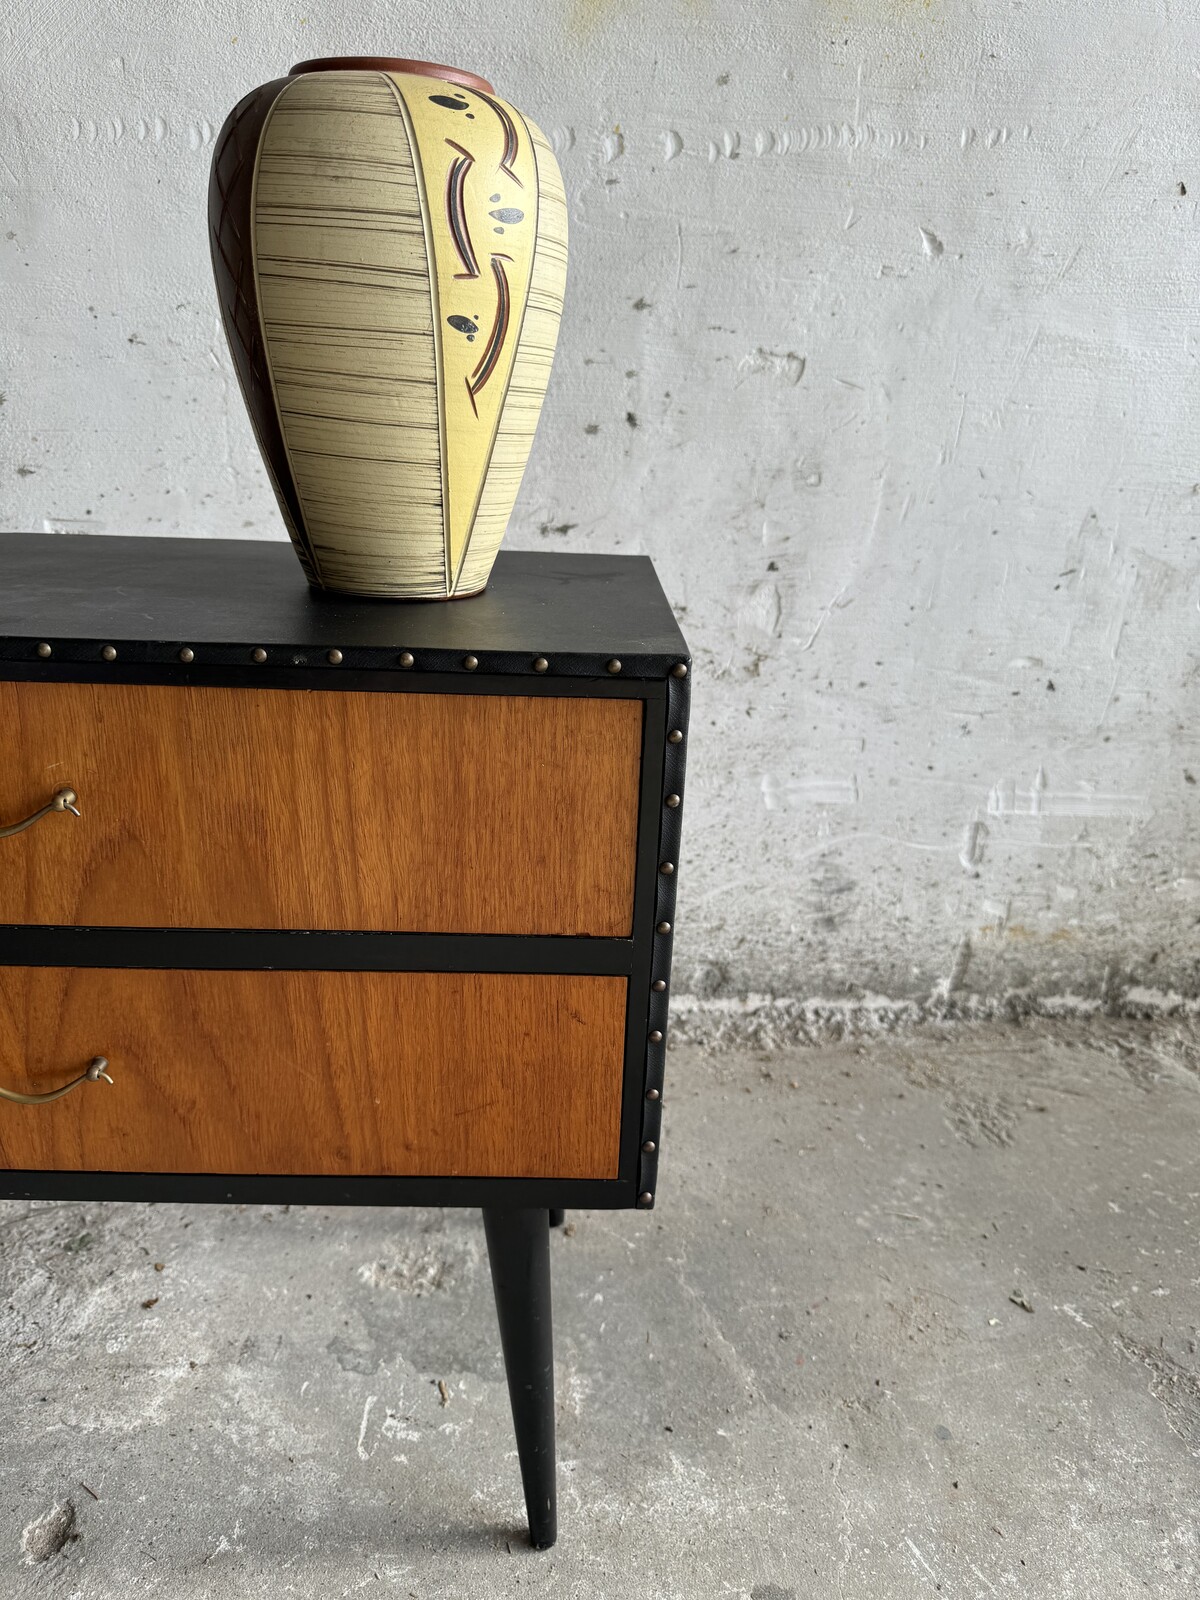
(64, 800)
(93, 1074)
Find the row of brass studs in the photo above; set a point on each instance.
(667, 868)
(404, 659)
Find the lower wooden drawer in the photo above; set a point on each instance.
(335, 1073)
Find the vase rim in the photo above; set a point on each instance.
(425, 69)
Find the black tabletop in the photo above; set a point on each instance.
(150, 596)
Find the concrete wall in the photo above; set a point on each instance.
(880, 340)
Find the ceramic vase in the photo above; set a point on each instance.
(389, 240)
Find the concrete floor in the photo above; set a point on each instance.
(916, 1316)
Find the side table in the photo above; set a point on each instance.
(314, 900)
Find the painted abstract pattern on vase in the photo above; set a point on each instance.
(391, 278)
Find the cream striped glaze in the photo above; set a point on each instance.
(408, 250)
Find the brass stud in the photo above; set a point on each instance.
(109, 653)
(44, 650)
(406, 658)
(334, 658)
(541, 665)
(614, 665)
(258, 655)
(679, 670)
(659, 985)
(667, 868)
(653, 1094)
(470, 662)
(649, 1147)
(675, 737)
(656, 1036)
(664, 927)
(672, 800)
(186, 655)
(646, 1199)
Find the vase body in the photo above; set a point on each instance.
(389, 245)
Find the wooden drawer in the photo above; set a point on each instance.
(440, 1074)
(270, 808)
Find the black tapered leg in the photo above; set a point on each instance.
(518, 1245)
(557, 1218)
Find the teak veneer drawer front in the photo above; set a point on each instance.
(242, 808)
(335, 1073)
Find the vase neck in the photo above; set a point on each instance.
(424, 69)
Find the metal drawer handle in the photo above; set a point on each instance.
(93, 1074)
(64, 800)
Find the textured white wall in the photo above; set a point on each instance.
(881, 340)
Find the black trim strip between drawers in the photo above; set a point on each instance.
(220, 1188)
(259, 949)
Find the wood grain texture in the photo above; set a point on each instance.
(489, 1075)
(259, 808)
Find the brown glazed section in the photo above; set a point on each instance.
(230, 198)
(425, 69)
